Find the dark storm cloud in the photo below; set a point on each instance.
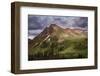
(33, 22)
(39, 22)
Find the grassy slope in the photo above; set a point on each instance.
(68, 49)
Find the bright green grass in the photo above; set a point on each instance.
(70, 48)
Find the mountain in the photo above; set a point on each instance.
(55, 34)
(56, 31)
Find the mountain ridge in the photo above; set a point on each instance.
(55, 42)
(56, 31)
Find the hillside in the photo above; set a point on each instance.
(55, 42)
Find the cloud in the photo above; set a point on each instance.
(34, 32)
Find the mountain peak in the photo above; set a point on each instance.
(54, 27)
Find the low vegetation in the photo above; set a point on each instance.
(70, 48)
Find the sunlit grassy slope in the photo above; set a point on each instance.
(70, 48)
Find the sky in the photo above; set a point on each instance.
(36, 23)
